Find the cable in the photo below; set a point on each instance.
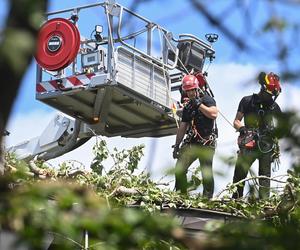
(135, 34)
(207, 67)
(226, 119)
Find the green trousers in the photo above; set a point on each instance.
(188, 154)
(244, 161)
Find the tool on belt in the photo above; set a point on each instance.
(248, 139)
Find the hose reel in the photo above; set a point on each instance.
(58, 44)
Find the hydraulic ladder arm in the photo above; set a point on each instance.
(62, 135)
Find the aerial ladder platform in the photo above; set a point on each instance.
(108, 79)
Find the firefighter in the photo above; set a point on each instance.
(198, 119)
(256, 139)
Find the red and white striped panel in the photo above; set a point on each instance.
(67, 83)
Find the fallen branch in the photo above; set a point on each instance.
(251, 178)
(10, 168)
(121, 190)
(237, 211)
(35, 169)
(71, 175)
(126, 191)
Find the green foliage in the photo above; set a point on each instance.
(101, 153)
(92, 202)
(124, 159)
(276, 228)
(67, 209)
(118, 206)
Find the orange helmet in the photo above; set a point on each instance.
(270, 83)
(190, 82)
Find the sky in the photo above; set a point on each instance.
(231, 76)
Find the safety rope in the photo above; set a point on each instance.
(226, 119)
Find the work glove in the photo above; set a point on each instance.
(194, 103)
(243, 130)
(197, 102)
(175, 151)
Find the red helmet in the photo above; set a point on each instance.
(190, 82)
(270, 83)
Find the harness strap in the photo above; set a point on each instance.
(196, 135)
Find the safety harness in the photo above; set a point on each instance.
(261, 139)
(194, 136)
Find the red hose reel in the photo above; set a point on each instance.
(58, 44)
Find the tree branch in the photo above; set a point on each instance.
(216, 22)
(251, 178)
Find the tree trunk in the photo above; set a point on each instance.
(17, 45)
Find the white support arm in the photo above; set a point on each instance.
(59, 137)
